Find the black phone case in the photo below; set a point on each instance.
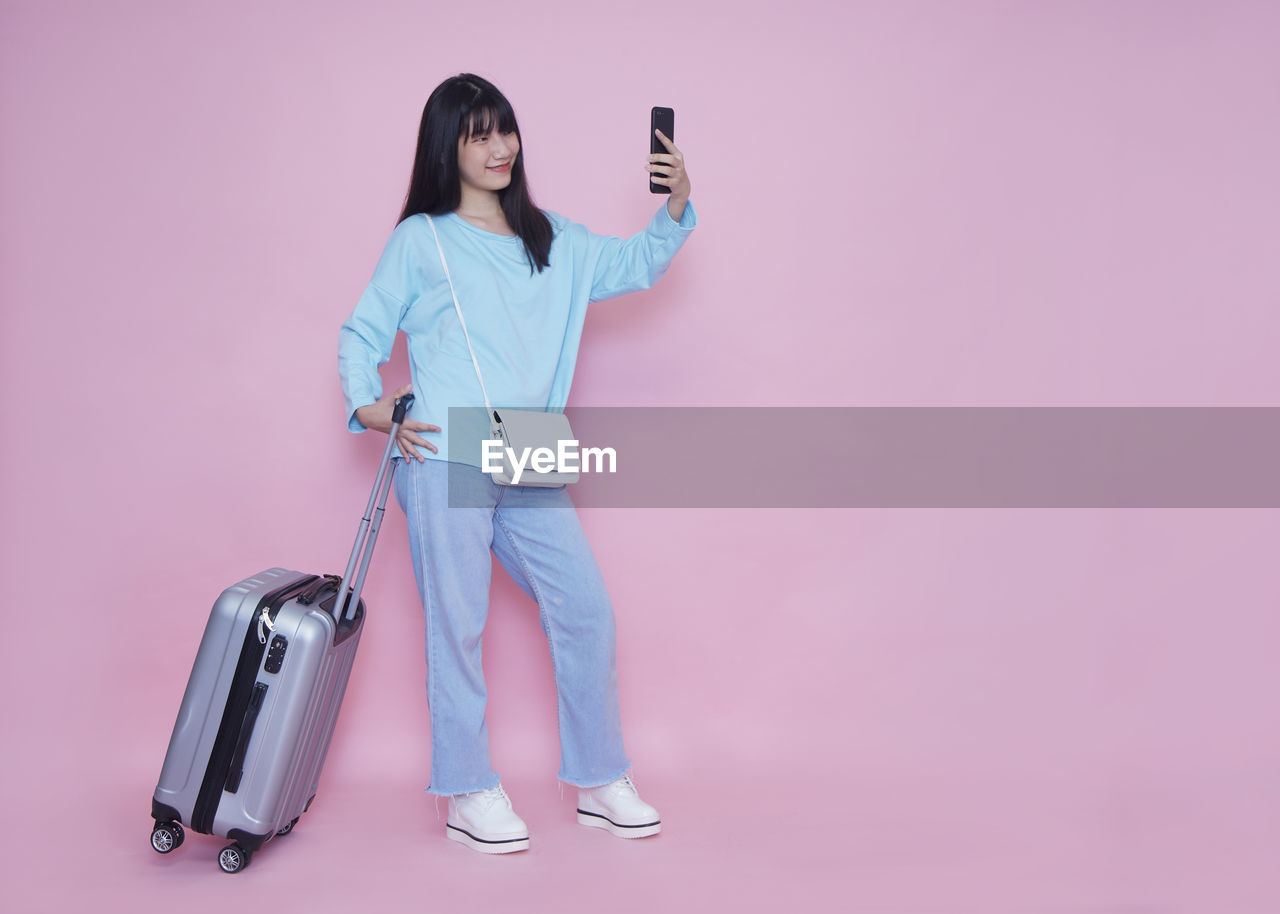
(663, 119)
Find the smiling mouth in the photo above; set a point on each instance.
(501, 167)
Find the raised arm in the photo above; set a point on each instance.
(624, 266)
(641, 260)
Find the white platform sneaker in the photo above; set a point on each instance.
(618, 808)
(485, 821)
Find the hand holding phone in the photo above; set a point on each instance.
(663, 119)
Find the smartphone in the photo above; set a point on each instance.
(663, 119)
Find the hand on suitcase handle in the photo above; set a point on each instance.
(402, 407)
(380, 417)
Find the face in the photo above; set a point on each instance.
(485, 160)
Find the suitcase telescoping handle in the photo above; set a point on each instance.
(367, 535)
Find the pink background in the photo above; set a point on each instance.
(950, 204)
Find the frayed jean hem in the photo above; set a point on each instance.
(591, 783)
(432, 789)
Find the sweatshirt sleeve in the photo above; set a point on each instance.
(640, 261)
(366, 338)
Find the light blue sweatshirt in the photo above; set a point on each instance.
(524, 329)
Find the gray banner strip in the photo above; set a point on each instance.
(931, 457)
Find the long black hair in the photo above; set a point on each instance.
(463, 106)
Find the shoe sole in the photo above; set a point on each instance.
(595, 820)
(486, 846)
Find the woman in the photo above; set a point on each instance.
(523, 279)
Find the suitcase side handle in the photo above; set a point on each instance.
(367, 533)
(236, 771)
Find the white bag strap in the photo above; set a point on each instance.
(461, 321)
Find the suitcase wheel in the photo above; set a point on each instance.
(233, 858)
(288, 828)
(166, 836)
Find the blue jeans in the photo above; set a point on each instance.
(536, 535)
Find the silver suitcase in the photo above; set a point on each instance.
(263, 698)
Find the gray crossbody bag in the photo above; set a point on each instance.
(524, 431)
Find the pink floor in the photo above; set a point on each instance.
(852, 843)
(990, 713)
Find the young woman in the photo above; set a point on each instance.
(523, 279)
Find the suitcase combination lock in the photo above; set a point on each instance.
(275, 654)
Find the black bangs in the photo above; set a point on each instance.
(458, 109)
(481, 120)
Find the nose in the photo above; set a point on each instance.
(504, 147)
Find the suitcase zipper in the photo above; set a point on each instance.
(265, 624)
(233, 715)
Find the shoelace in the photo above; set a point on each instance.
(624, 785)
(488, 797)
